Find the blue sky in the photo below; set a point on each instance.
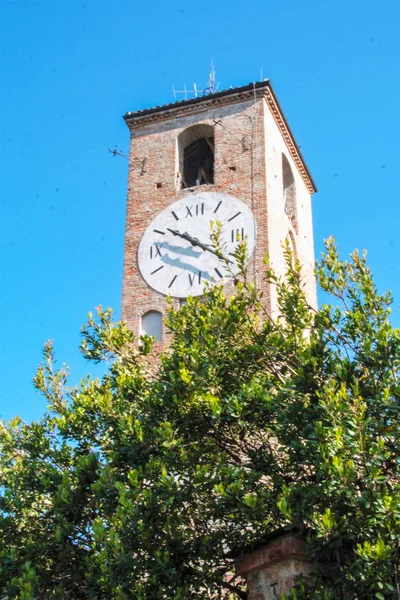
(69, 70)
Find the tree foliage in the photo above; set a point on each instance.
(145, 484)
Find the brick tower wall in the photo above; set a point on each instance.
(280, 225)
(248, 165)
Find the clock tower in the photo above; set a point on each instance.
(231, 157)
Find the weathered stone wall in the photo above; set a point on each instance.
(272, 571)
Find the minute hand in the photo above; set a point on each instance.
(196, 242)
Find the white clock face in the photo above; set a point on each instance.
(175, 253)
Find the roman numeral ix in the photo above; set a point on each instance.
(155, 251)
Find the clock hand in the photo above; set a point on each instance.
(196, 242)
(189, 238)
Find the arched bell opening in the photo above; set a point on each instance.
(196, 156)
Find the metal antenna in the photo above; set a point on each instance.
(211, 88)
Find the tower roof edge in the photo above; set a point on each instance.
(260, 89)
(198, 100)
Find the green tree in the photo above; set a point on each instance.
(145, 484)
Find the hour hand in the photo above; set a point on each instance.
(189, 238)
(196, 242)
(185, 236)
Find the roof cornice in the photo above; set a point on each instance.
(289, 138)
(232, 95)
(261, 89)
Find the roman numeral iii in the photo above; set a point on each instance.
(237, 235)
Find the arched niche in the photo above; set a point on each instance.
(289, 192)
(151, 324)
(196, 155)
(292, 246)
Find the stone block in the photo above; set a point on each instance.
(272, 570)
